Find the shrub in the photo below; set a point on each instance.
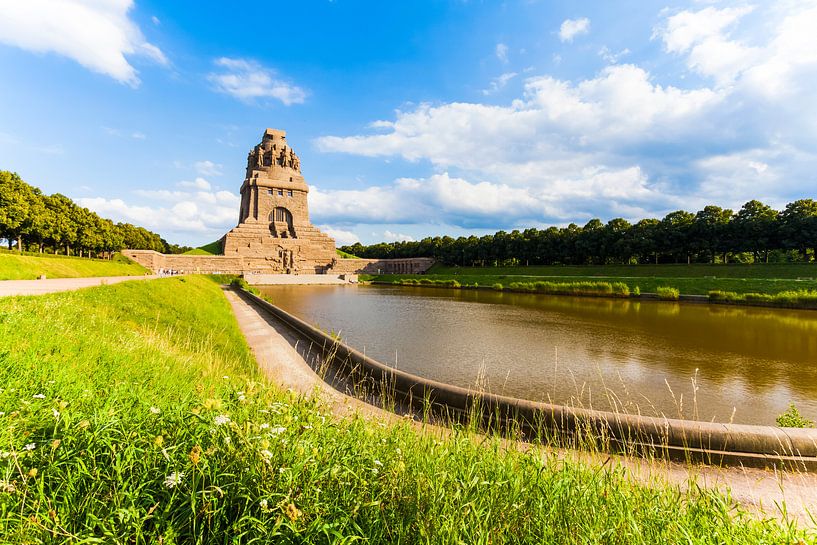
(636, 291)
(497, 287)
(793, 419)
(668, 294)
(242, 284)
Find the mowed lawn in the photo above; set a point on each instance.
(134, 413)
(696, 279)
(28, 267)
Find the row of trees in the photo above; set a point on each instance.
(38, 222)
(712, 235)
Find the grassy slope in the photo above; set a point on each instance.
(689, 279)
(26, 267)
(214, 248)
(345, 255)
(139, 381)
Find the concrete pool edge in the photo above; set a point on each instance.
(709, 442)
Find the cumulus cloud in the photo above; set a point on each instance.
(342, 238)
(442, 198)
(194, 210)
(573, 27)
(617, 143)
(98, 34)
(391, 236)
(248, 80)
(208, 168)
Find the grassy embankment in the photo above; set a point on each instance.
(697, 279)
(134, 413)
(214, 248)
(28, 267)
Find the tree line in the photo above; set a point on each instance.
(756, 233)
(55, 223)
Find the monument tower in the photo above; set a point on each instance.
(273, 220)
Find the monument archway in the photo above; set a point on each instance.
(281, 223)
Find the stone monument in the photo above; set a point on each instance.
(273, 220)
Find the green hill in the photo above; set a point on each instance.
(28, 267)
(214, 248)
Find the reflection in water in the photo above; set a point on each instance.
(624, 355)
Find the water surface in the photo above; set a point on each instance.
(680, 360)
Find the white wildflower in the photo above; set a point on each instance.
(266, 454)
(221, 419)
(264, 426)
(225, 377)
(174, 479)
(38, 396)
(264, 504)
(227, 440)
(277, 431)
(378, 463)
(155, 410)
(4, 454)
(7, 486)
(2, 413)
(30, 446)
(242, 398)
(55, 412)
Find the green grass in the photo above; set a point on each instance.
(695, 270)
(696, 279)
(27, 267)
(214, 248)
(134, 413)
(345, 255)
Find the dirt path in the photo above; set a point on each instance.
(51, 285)
(763, 492)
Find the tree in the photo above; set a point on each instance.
(755, 229)
(15, 204)
(676, 234)
(798, 226)
(710, 231)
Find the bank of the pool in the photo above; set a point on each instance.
(803, 299)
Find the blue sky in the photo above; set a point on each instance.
(412, 118)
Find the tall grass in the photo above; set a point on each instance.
(134, 413)
(791, 298)
(597, 289)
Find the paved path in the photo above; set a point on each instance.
(38, 287)
(760, 491)
(296, 279)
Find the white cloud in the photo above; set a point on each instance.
(501, 53)
(444, 198)
(136, 135)
(248, 80)
(198, 183)
(499, 83)
(155, 20)
(615, 143)
(342, 238)
(98, 34)
(573, 27)
(208, 168)
(390, 236)
(553, 121)
(611, 57)
(195, 210)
